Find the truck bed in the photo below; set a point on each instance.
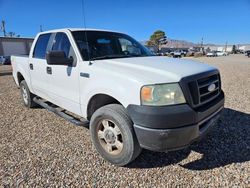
(20, 63)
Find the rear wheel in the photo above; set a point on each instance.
(113, 135)
(27, 96)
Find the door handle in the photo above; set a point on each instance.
(84, 74)
(31, 66)
(49, 70)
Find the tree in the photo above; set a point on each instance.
(157, 38)
(234, 50)
(12, 34)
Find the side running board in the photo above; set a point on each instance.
(61, 113)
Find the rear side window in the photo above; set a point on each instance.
(41, 46)
(62, 43)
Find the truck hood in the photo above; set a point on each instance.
(155, 69)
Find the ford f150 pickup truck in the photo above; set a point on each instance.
(131, 98)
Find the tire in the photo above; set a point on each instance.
(27, 96)
(114, 117)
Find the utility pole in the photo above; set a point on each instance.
(226, 47)
(202, 45)
(3, 28)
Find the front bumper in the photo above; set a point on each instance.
(173, 127)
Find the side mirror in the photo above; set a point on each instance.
(58, 58)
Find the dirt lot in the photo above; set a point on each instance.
(38, 148)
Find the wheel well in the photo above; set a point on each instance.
(19, 77)
(98, 101)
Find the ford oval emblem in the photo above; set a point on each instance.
(211, 87)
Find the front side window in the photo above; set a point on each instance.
(107, 45)
(41, 46)
(62, 43)
(128, 47)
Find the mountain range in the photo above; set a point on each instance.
(174, 43)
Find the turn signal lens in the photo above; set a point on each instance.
(146, 93)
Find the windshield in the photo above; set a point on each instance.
(107, 45)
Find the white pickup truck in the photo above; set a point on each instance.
(131, 98)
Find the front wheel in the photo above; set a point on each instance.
(113, 135)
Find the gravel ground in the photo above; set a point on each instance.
(38, 148)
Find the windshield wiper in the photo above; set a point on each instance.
(117, 56)
(110, 57)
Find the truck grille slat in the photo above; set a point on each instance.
(205, 94)
(207, 84)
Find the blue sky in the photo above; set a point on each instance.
(217, 21)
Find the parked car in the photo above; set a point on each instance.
(221, 53)
(160, 54)
(212, 54)
(177, 54)
(7, 60)
(2, 59)
(184, 53)
(247, 53)
(167, 54)
(131, 98)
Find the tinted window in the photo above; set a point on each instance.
(128, 47)
(104, 45)
(41, 46)
(61, 43)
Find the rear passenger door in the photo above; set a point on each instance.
(63, 80)
(38, 64)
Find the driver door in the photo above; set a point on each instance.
(63, 79)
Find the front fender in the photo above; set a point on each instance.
(102, 80)
(129, 94)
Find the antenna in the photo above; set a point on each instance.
(84, 25)
(226, 47)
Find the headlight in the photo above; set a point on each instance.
(162, 94)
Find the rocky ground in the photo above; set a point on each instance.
(38, 148)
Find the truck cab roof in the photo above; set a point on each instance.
(77, 29)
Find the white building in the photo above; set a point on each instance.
(244, 47)
(228, 48)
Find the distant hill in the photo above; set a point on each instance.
(179, 44)
(173, 43)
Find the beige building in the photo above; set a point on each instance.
(14, 46)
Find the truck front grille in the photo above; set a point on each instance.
(204, 89)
